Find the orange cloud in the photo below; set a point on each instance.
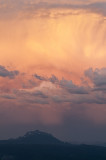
(65, 45)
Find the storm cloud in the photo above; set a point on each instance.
(53, 69)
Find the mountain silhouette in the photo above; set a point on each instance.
(33, 137)
(38, 145)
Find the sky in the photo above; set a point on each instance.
(53, 68)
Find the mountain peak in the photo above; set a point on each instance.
(34, 137)
(39, 137)
(36, 132)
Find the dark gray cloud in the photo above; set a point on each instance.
(72, 88)
(39, 94)
(98, 77)
(6, 73)
(51, 89)
(74, 94)
(32, 96)
(40, 77)
(30, 92)
(53, 79)
(37, 101)
(8, 96)
(31, 9)
(97, 7)
(65, 84)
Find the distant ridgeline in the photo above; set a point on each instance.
(33, 137)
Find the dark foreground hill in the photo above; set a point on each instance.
(51, 152)
(25, 148)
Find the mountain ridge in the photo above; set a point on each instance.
(34, 137)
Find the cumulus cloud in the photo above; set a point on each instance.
(98, 78)
(50, 90)
(65, 84)
(6, 73)
(72, 93)
(72, 88)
